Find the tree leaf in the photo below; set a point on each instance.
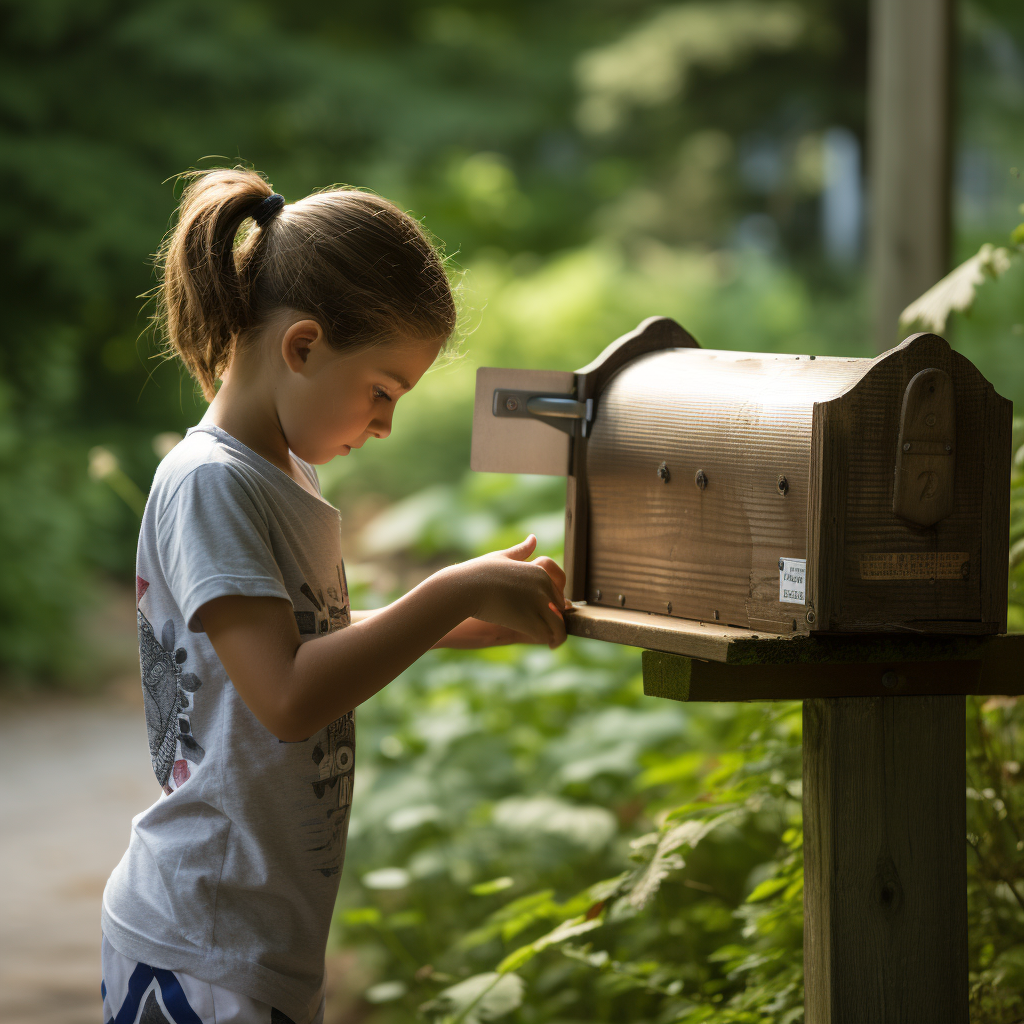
(957, 290)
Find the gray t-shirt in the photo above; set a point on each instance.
(231, 876)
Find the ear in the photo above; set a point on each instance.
(297, 342)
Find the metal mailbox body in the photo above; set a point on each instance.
(707, 483)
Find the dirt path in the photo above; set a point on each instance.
(72, 775)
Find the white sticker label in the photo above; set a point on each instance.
(792, 577)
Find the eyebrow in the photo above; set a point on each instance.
(398, 379)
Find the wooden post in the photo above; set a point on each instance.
(885, 900)
(909, 141)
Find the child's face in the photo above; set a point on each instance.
(333, 402)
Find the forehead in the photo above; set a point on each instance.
(404, 360)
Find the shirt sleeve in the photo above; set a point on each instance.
(214, 541)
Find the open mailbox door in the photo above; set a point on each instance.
(523, 421)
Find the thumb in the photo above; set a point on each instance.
(521, 552)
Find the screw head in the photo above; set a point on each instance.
(949, 447)
(622, 600)
(783, 485)
(668, 607)
(906, 446)
(663, 473)
(782, 564)
(511, 404)
(701, 479)
(810, 616)
(965, 569)
(597, 595)
(889, 679)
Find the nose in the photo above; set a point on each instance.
(381, 425)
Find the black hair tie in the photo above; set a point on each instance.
(266, 209)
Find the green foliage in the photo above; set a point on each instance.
(530, 814)
(995, 877)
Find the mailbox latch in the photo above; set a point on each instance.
(559, 411)
(926, 449)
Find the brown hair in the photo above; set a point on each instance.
(352, 261)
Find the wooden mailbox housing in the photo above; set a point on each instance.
(777, 493)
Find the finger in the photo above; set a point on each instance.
(557, 626)
(553, 569)
(521, 551)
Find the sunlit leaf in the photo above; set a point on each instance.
(957, 290)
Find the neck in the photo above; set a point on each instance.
(244, 407)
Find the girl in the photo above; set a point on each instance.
(316, 321)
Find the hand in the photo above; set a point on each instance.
(524, 597)
(473, 634)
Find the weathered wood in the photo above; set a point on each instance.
(855, 523)
(885, 905)
(1003, 654)
(909, 145)
(653, 334)
(705, 470)
(690, 679)
(711, 552)
(997, 427)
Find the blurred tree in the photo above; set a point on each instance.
(470, 113)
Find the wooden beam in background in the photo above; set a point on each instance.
(909, 127)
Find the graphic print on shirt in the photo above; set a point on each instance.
(167, 690)
(333, 754)
(334, 759)
(331, 613)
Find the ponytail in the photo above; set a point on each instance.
(350, 260)
(204, 296)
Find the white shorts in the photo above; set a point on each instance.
(135, 993)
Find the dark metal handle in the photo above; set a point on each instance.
(562, 408)
(559, 411)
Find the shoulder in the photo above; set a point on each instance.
(201, 463)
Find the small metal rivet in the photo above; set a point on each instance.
(622, 600)
(716, 616)
(782, 565)
(810, 616)
(668, 607)
(949, 447)
(511, 404)
(663, 474)
(889, 679)
(701, 479)
(597, 595)
(906, 446)
(783, 485)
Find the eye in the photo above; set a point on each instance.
(381, 393)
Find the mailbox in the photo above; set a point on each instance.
(777, 493)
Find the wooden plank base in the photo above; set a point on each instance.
(668, 675)
(885, 901)
(713, 641)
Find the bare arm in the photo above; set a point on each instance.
(468, 635)
(295, 689)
